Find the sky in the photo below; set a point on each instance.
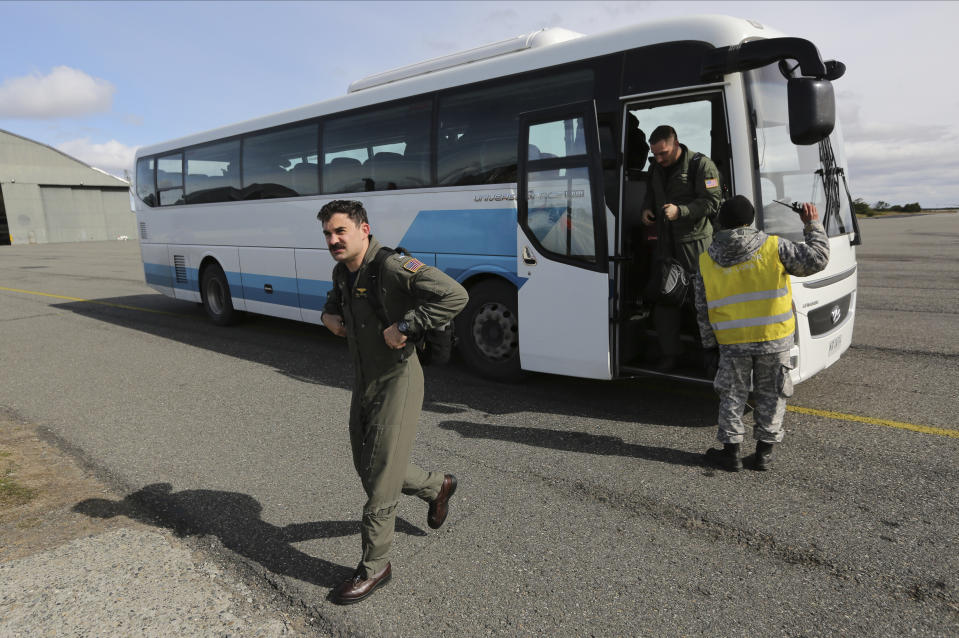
(96, 80)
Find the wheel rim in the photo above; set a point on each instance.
(215, 296)
(494, 331)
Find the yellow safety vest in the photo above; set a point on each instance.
(750, 301)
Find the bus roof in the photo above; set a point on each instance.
(418, 78)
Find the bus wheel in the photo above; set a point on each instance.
(488, 331)
(215, 291)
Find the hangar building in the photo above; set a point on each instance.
(48, 196)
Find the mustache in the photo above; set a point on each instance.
(338, 247)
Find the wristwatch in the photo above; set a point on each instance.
(403, 326)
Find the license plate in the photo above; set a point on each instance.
(835, 344)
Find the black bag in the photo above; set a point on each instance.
(669, 281)
(435, 346)
(674, 284)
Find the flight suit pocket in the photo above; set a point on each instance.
(785, 381)
(373, 450)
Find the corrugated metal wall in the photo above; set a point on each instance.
(51, 197)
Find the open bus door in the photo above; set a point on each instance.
(562, 245)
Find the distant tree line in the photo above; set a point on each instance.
(864, 208)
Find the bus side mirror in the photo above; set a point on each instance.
(812, 110)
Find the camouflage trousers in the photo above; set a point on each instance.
(771, 385)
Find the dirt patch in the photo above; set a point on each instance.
(39, 485)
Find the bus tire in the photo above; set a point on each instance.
(487, 331)
(217, 301)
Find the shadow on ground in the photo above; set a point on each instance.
(568, 441)
(309, 353)
(234, 519)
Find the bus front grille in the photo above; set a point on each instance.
(829, 316)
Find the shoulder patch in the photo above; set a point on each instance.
(712, 183)
(412, 264)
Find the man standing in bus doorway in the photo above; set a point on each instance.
(744, 304)
(683, 194)
(388, 382)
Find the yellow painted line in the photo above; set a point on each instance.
(93, 301)
(925, 429)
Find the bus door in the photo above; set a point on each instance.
(699, 119)
(562, 246)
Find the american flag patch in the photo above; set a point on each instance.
(712, 183)
(412, 264)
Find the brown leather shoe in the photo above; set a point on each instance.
(355, 588)
(440, 506)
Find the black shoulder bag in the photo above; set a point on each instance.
(668, 281)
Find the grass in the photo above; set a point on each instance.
(11, 492)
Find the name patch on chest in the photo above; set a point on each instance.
(412, 264)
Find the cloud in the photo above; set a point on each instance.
(896, 159)
(900, 176)
(64, 92)
(112, 157)
(898, 134)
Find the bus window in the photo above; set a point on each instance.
(479, 128)
(700, 124)
(560, 211)
(380, 149)
(212, 173)
(281, 163)
(692, 121)
(145, 185)
(787, 172)
(170, 179)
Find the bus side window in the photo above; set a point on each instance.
(170, 179)
(305, 179)
(380, 142)
(277, 164)
(145, 185)
(479, 127)
(387, 171)
(342, 175)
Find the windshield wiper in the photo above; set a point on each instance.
(830, 174)
(830, 184)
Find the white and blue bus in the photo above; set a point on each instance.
(519, 169)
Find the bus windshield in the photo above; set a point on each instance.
(788, 172)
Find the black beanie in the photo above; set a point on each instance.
(736, 212)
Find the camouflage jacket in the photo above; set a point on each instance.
(736, 245)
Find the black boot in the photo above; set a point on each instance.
(764, 455)
(727, 458)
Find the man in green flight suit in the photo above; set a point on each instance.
(388, 383)
(680, 204)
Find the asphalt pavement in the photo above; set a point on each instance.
(583, 507)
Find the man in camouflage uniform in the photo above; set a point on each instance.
(680, 204)
(388, 383)
(744, 304)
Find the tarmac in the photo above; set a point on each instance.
(65, 571)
